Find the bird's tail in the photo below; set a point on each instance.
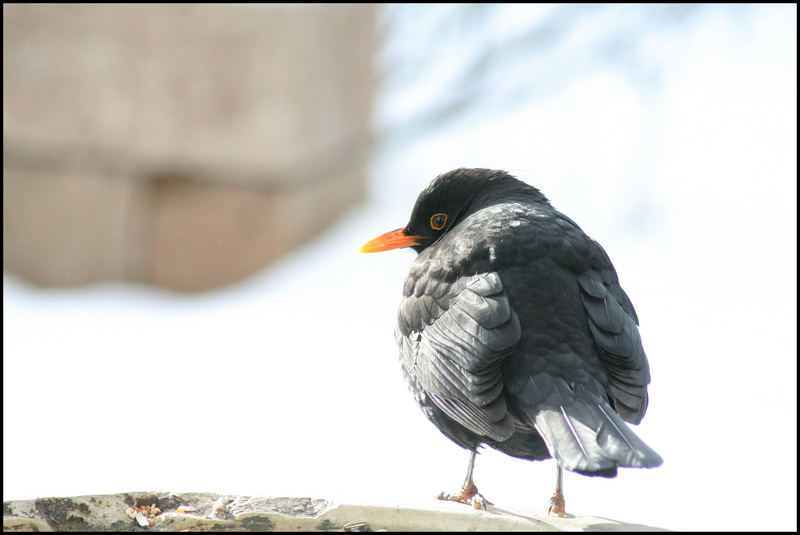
(587, 436)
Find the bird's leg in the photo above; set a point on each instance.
(557, 501)
(469, 492)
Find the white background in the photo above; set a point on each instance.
(673, 145)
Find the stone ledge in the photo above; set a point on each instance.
(214, 512)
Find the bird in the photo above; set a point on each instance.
(514, 332)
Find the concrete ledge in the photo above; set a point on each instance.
(213, 512)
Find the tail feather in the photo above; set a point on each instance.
(586, 435)
(573, 443)
(592, 439)
(622, 445)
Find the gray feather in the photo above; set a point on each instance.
(581, 430)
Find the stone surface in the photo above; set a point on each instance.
(182, 145)
(213, 512)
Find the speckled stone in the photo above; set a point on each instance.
(214, 512)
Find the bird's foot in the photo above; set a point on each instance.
(557, 505)
(469, 495)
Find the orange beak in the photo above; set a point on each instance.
(391, 240)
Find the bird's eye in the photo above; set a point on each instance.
(438, 221)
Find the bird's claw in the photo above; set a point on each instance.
(480, 503)
(468, 496)
(557, 505)
(477, 501)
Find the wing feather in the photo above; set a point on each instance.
(613, 325)
(454, 347)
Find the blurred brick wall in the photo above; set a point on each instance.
(185, 146)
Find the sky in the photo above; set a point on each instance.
(669, 136)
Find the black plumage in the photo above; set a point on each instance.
(514, 331)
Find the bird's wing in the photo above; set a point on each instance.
(580, 418)
(618, 343)
(453, 337)
(612, 320)
(611, 317)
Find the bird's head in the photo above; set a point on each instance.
(447, 200)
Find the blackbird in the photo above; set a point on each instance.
(514, 331)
